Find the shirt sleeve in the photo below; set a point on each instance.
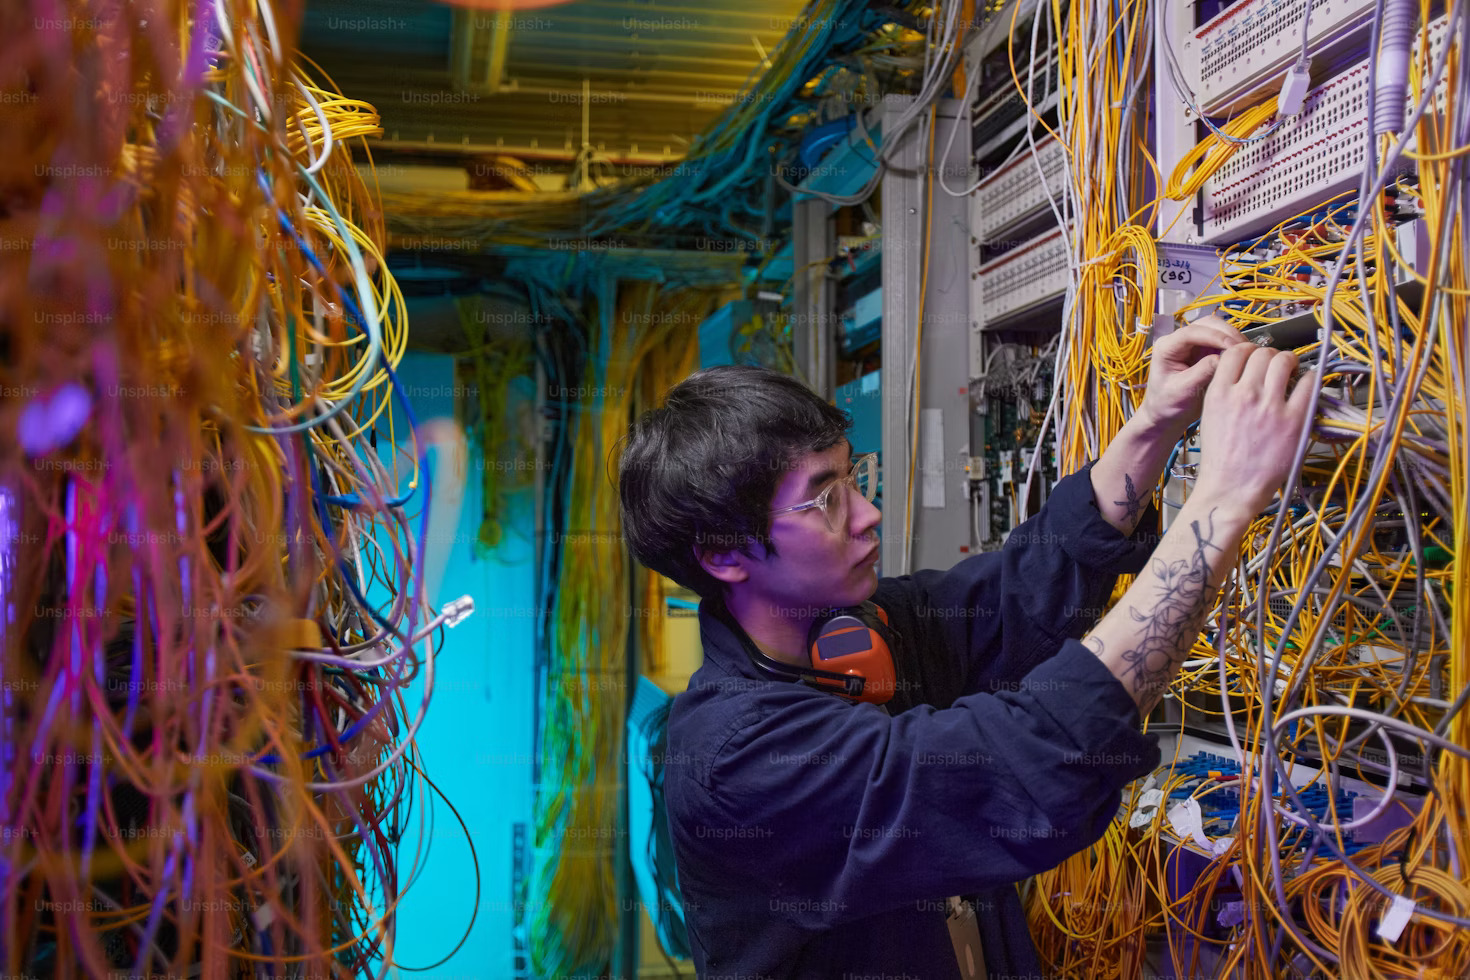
(846, 812)
(1008, 611)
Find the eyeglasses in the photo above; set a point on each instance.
(863, 478)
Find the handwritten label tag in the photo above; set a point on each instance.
(1147, 809)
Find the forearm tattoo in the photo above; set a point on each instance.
(1170, 627)
(1134, 505)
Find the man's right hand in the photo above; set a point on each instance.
(1250, 427)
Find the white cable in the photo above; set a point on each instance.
(327, 139)
(271, 34)
(327, 657)
(1366, 819)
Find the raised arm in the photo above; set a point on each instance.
(1249, 435)
(1058, 568)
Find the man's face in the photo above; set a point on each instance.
(817, 566)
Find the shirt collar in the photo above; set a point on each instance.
(727, 647)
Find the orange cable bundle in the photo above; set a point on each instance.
(205, 754)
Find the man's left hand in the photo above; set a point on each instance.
(1182, 365)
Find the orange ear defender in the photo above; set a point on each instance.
(857, 643)
(851, 654)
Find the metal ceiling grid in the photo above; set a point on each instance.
(638, 79)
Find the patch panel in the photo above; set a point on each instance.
(1022, 279)
(992, 33)
(1436, 38)
(1310, 158)
(1220, 809)
(999, 114)
(1016, 191)
(1003, 116)
(1239, 55)
(1349, 798)
(1400, 607)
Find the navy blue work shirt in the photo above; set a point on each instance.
(818, 838)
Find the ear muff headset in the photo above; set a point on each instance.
(857, 643)
(852, 655)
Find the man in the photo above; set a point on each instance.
(816, 836)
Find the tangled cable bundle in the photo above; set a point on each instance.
(645, 346)
(1338, 648)
(207, 751)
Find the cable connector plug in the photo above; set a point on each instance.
(458, 610)
(1293, 91)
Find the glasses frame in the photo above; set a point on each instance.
(823, 499)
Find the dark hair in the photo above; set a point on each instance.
(702, 469)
